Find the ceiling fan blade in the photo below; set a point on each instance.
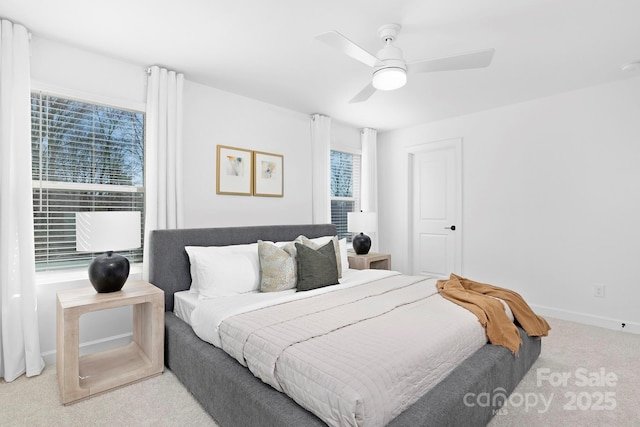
(465, 61)
(364, 94)
(346, 46)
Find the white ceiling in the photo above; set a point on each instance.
(265, 49)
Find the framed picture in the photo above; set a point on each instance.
(268, 174)
(234, 171)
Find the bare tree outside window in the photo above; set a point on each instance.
(345, 189)
(85, 157)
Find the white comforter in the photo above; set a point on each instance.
(353, 355)
(206, 317)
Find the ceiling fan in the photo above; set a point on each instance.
(390, 69)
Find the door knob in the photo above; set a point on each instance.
(452, 228)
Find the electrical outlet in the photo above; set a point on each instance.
(598, 291)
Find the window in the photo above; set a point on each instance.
(345, 189)
(85, 157)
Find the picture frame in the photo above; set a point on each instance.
(234, 171)
(268, 174)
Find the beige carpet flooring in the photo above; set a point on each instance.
(571, 384)
(158, 401)
(589, 358)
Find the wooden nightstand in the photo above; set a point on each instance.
(82, 377)
(370, 260)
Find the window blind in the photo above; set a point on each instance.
(85, 157)
(345, 189)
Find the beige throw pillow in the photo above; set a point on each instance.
(277, 266)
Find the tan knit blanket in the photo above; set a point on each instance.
(480, 299)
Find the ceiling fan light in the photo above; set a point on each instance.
(390, 78)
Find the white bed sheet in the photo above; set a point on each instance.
(184, 302)
(201, 314)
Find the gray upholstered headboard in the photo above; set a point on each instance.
(169, 263)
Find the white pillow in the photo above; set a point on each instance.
(223, 270)
(344, 260)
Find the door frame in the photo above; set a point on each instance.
(411, 152)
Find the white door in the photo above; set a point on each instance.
(437, 190)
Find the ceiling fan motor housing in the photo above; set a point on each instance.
(390, 56)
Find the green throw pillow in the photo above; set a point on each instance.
(313, 245)
(316, 267)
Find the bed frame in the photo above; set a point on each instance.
(234, 397)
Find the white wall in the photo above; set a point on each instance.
(550, 199)
(211, 117)
(345, 137)
(60, 66)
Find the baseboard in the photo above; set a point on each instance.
(588, 319)
(95, 346)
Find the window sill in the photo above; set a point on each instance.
(76, 275)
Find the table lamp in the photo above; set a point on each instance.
(108, 232)
(362, 222)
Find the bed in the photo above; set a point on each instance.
(235, 397)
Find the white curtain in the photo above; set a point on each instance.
(19, 337)
(369, 176)
(163, 152)
(320, 168)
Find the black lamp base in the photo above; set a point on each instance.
(108, 272)
(361, 244)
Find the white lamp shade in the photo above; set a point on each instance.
(107, 231)
(362, 222)
(389, 78)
